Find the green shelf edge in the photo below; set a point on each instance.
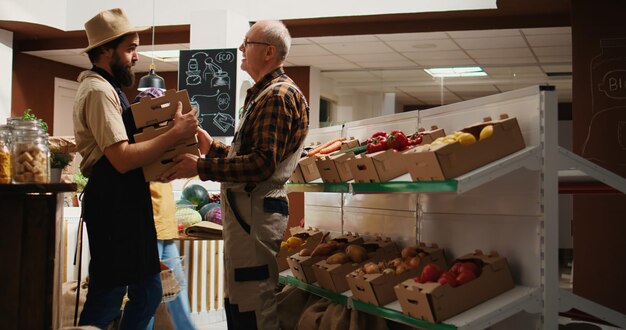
(384, 312)
(395, 315)
(336, 297)
(405, 186)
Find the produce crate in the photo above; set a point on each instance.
(446, 161)
(377, 289)
(311, 236)
(333, 276)
(305, 171)
(434, 302)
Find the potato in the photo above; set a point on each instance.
(305, 252)
(324, 249)
(356, 253)
(337, 258)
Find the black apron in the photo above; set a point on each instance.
(117, 209)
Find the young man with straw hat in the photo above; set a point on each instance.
(117, 207)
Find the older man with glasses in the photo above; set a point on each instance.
(253, 171)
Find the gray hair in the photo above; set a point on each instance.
(276, 33)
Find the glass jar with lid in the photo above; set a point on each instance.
(30, 154)
(5, 154)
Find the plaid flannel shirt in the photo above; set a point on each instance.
(274, 129)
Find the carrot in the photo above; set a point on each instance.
(320, 147)
(331, 148)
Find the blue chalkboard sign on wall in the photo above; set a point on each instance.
(209, 76)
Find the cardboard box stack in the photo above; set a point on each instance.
(154, 117)
(302, 266)
(333, 276)
(434, 302)
(377, 289)
(445, 161)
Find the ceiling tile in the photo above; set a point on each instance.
(557, 67)
(479, 54)
(343, 39)
(506, 61)
(423, 46)
(336, 66)
(484, 33)
(490, 43)
(358, 48)
(307, 50)
(401, 74)
(317, 60)
(387, 64)
(437, 55)
(369, 57)
(542, 40)
(412, 36)
(551, 30)
(553, 51)
(512, 70)
(555, 59)
(349, 75)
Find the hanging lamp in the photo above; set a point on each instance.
(151, 80)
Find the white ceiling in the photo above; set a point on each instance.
(393, 63)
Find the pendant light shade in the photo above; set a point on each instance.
(151, 80)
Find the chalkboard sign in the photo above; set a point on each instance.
(209, 76)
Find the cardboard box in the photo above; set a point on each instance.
(435, 303)
(377, 289)
(431, 135)
(349, 144)
(446, 161)
(333, 276)
(334, 168)
(302, 266)
(311, 236)
(377, 167)
(305, 171)
(154, 117)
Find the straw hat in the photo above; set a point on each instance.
(108, 25)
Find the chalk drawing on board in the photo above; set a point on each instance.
(196, 104)
(214, 72)
(222, 121)
(605, 142)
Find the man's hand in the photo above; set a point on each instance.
(185, 125)
(186, 166)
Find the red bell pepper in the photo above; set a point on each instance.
(397, 140)
(377, 144)
(377, 134)
(415, 139)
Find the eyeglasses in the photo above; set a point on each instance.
(246, 43)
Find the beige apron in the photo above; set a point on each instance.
(254, 222)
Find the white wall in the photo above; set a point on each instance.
(314, 97)
(6, 66)
(44, 12)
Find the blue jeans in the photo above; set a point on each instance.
(179, 307)
(103, 305)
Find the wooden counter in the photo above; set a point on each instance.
(31, 216)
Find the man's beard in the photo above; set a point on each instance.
(122, 74)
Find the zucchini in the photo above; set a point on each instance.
(356, 150)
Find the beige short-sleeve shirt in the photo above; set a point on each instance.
(97, 119)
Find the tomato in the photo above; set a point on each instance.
(465, 277)
(431, 273)
(468, 267)
(448, 278)
(456, 267)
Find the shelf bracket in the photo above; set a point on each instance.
(570, 161)
(568, 300)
